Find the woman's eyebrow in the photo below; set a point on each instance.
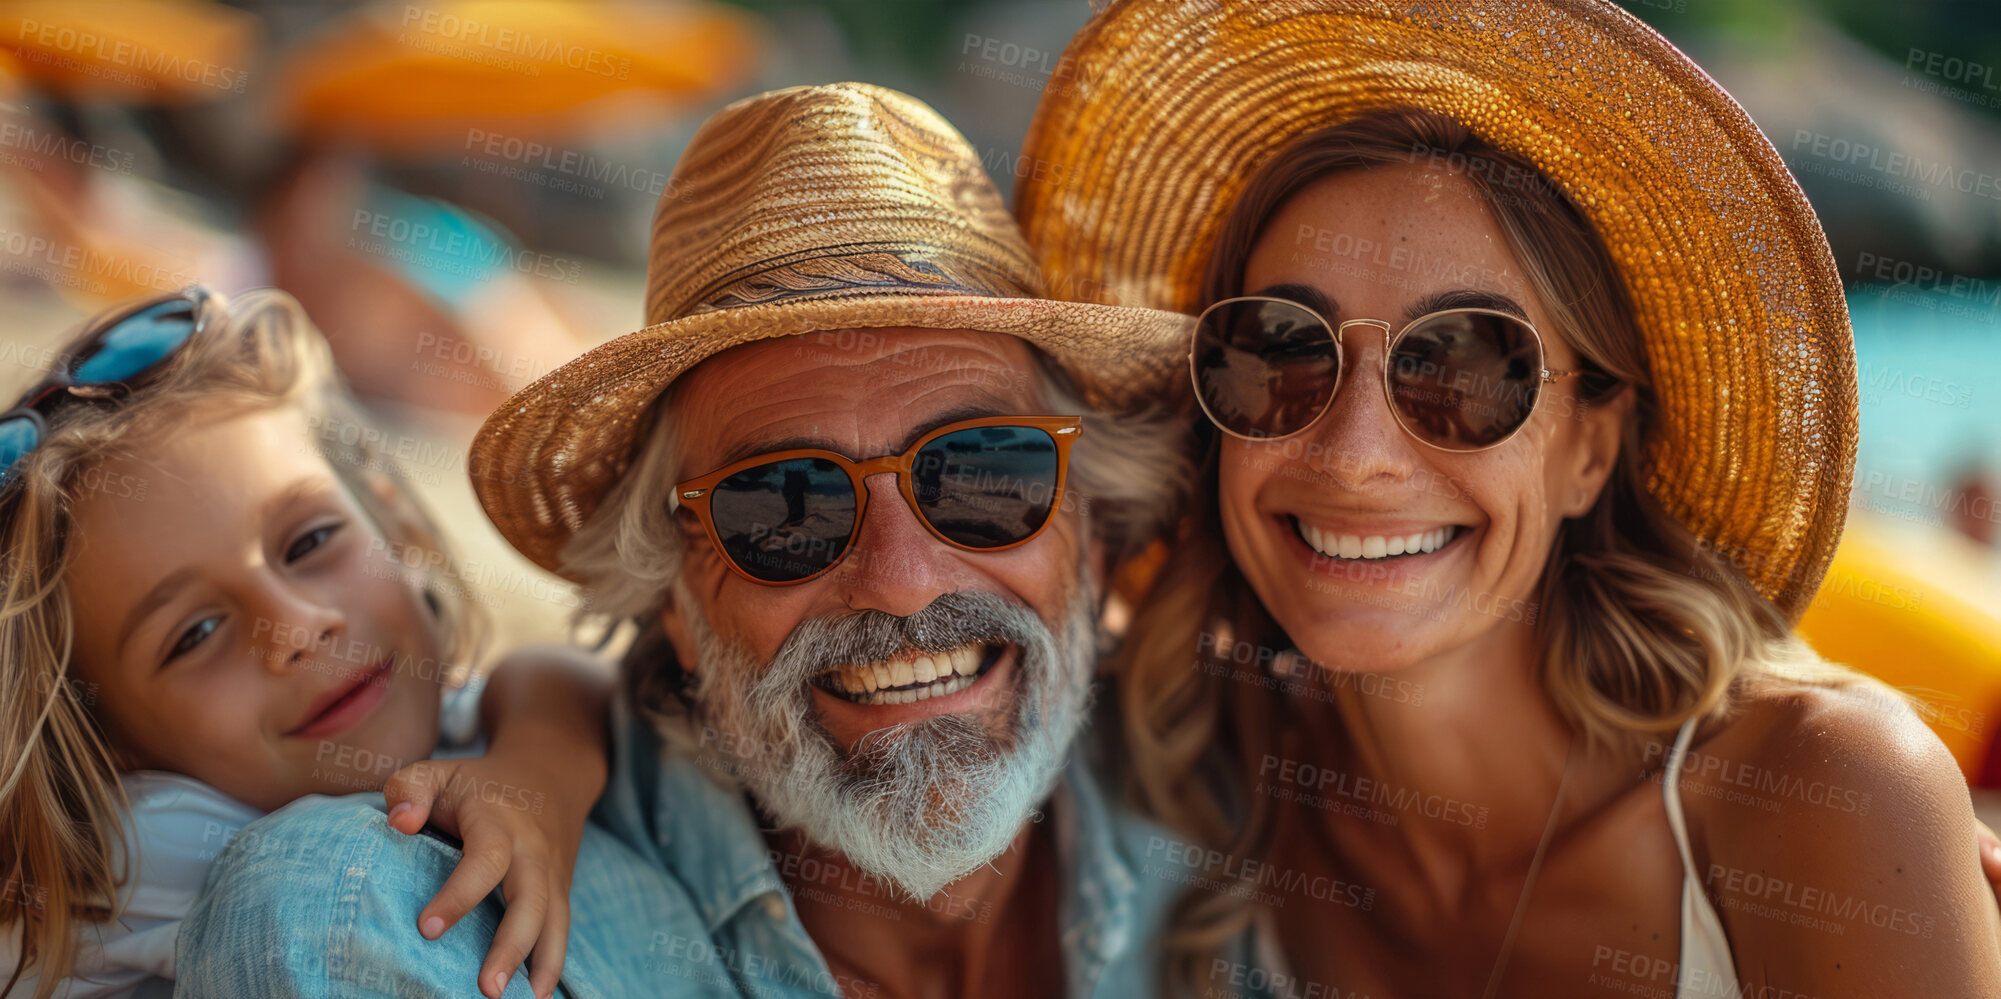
(1305, 294)
(1465, 298)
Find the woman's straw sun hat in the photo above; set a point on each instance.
(1167, 110)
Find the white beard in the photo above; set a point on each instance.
(920, 804)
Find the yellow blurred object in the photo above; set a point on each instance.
(10, 76)
(417, 78)
(1919, 608)
(167, 52)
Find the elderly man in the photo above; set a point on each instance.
(851, 486)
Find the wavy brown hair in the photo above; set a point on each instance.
(60, 799)
(1641, 626)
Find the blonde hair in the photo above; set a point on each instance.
(1641, 626)
(60, 796)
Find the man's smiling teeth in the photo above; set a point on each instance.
(915, 676)
(1334, 545)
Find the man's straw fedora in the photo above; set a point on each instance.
(834, 207)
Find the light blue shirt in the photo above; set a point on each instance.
(674, 894)
(706, 836)
(174, 829)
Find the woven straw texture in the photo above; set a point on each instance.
(816, 208)
(1168, 109)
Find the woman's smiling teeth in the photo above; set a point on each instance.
(913, 676)
(1367, 546)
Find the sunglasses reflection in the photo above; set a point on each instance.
(982, 488)
(1459, 380)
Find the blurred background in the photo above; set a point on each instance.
(459, 191)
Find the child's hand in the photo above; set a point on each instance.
(518, 835)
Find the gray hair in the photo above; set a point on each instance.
(919, 804)
(1131, 472)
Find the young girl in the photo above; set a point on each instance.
(209, 612)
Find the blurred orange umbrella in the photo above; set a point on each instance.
(415, 78)
(10, 76)
(165, 52)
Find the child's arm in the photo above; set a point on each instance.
(520, 809)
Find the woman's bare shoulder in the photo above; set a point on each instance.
(1852, 762)
(1838, 837)
(1865, 732)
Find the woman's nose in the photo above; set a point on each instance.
(1359, 438)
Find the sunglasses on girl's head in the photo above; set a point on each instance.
(1458, 379)
(982, 485)
(119, 350)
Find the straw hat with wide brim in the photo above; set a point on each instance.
(1162, 112)
(816, 208)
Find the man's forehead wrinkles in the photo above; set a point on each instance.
(926, 408)
(739, 403)
(836, 412)
(853, 435)
(969, 361)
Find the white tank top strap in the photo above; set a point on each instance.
(1706, 967)
(1671, 786)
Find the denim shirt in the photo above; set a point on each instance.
(673, 894)
(706, 836)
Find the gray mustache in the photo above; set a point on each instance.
(952, 620)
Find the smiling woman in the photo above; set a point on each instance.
(1503, 358)
(1485, 531)
(1545, 592)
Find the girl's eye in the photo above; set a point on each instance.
(194, 636)
(307, 542)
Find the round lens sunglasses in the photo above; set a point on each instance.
(1457, 379)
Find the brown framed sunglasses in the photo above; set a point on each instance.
(1457, 379)
(786, 517)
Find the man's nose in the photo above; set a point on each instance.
(897, 566)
